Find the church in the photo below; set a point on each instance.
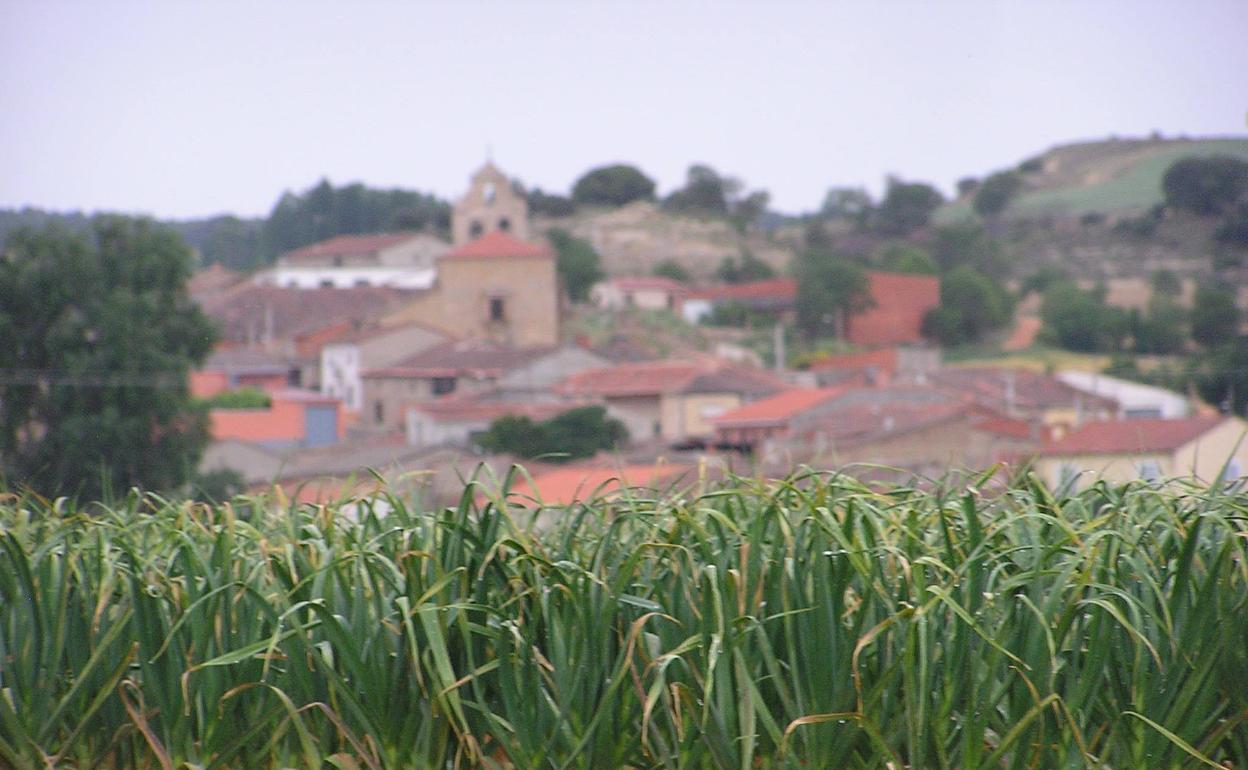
(490, 283)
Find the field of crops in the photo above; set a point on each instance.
(807, 623)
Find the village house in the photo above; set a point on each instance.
(293, 418)
(1135, 400)
(403, 260)
(673, 401)
(459, 421)
(466, 367)
(344, 359)
(880, 366)
(644, 293)
(1027, 395)
(231, 369)
(1121, 450)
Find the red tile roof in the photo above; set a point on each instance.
(248, 312)
(1132, 436)
(779, 408)
(901, 302)
(462, 357)
(863, 423)
(497, 244)
(349, 246)
(649, 378)
(578, 483)
(1030, 390)
(1005, 426)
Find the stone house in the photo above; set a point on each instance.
(1121, 450)
(674, 401)
(645, 293)
(404, 260)
(373, 346)
(464, 368)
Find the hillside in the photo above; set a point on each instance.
(1112, 177)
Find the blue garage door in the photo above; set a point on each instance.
(321, 425)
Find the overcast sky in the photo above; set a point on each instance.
(183, 109)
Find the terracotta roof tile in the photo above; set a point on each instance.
(461, 357)
(635, 379)
(1132, 436)
(901, 302)
(248, 312)
(497, 244)
(779, 408)
(578, 483)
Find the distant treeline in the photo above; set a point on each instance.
(296, 220)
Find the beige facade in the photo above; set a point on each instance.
(491, 204)
(508, 300)
(1225, 445)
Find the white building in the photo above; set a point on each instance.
(1135, 400)
(343, 359)
(397, 260)
(648, 293)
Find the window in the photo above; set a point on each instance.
(327, 283)
(1149, 470)
(443, 385)
(359, 282)
(379, 412)
(337, 261)
(475, 229)
(490, 193)
(504, 224)
(497, 309)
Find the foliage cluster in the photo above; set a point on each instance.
(613, 185)
(573, 435)
(97, 338)
(240, 398)
(576, 262)
(813, 622)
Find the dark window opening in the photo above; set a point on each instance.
(497, 309)
(504, 224)
(294, 377)
(337, 261)
(443, 385)
(379, 412)
(327, 283)
(475, 229)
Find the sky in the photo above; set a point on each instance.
(181, 109)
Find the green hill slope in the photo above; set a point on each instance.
(1115, 176)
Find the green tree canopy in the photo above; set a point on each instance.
(971, 306)
(996, 192)
(613, 185)
(705, 191)
(830, 291)
(748, 268)
(1080, 320)
(902, 257)
(97, 337)
(1205, 185)
(1215, 317)
(852, 204)
(1222, 376)
(541, 203)
(576, 262)
(575, 434)
(906, 207)
(670, 268)
(968, 243)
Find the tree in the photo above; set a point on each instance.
(1233, 231)
(852, 204)
(670, 268)
(971, 305)
(1205, 185)
(901, 257)
(749, 208)
(996, 193)
(549, 205)
(98, 335)
(573, 435)
(1080, 320)
(968, 243)
(1166, 283)
(906, 207)
(1222, 377)
(613, 185)
(1162, 330)
(749, 268)
(1215, 317)
(705, 191)
(830, 291)
(576, 262)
